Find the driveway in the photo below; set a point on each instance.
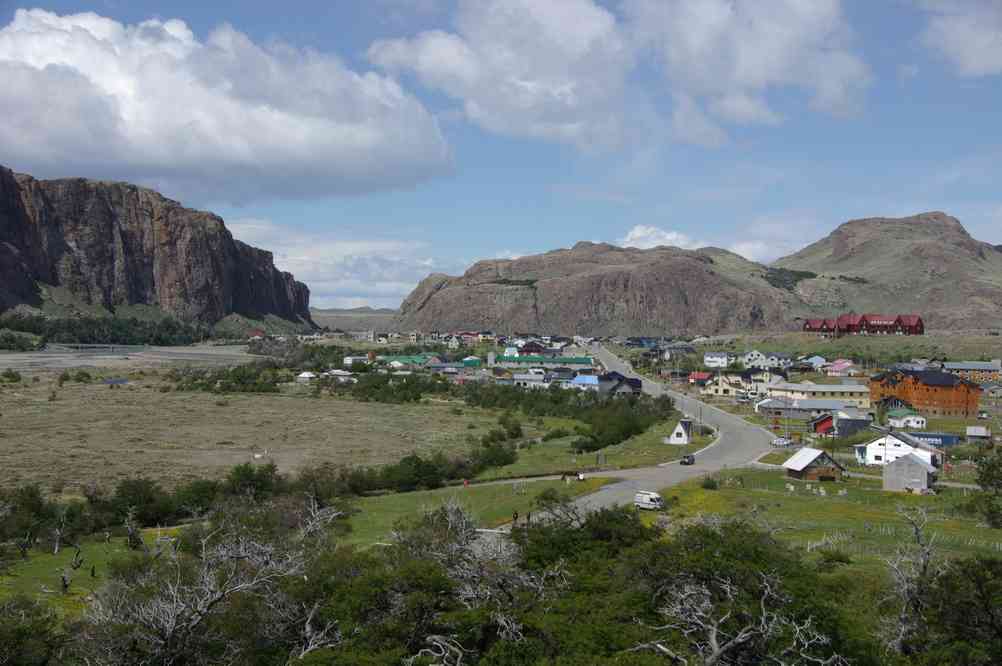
(738, 444)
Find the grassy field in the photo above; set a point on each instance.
(935, 344)
(39, 576)
(492, 504)
(776, 457)
(90, 432)
(556, 456)
(864, 521)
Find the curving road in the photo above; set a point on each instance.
(738, 444)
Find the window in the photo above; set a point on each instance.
(878, 457)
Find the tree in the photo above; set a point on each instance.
(965, 614)
(990, 479)
(29, 633)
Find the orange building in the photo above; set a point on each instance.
(930, 392)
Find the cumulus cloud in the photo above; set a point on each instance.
(769, 237)
(554, 70)
(729, 54)
(341, 270)
(644, 237)
(968, 33)
(223, 118)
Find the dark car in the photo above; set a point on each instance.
(687, 460)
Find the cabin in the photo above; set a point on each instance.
(893, 445)
(905, 418)
(809, 464)
(909, 473)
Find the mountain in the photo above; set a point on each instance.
(926, 264)
(110, 245)
(603, 289)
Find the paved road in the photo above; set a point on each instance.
(737, 445)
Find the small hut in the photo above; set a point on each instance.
(682, 434)
(909, 473)
(809, 464)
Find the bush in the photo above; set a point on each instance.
(152, 504)
(709, 483)
(82, 376)
(556, 433)
(10, 376)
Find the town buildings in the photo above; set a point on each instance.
(979, 372)
(857, 395)
(931, 392)
(866, 324)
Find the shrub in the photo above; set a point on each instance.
(556, 433)
(10, 376)
(709, 483)
(82, 376)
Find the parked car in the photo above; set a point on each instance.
(687, 460)
(647, 499)
(782, 442)
(983, 415)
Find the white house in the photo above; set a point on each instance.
(531, 380)
(770, 361)
(353, 360)
(717, 359)
(906, 419)
(816, 362)
(682, 434)
(306, 377)
(894, 445)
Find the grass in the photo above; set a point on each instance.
(492, 504)
(39, 576)
(556, 456)
(92, 433)
(776, 457)
(864, 520)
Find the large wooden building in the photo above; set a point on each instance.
(866, 324)
(931, 392)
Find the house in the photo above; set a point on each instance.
(256, 334)
(699, 378)
(849, 421)
(905, 418)
(579, 363)
(744, 383)
(931, 392)
(306, 377)
(842, 368)
(717, 359)
(770, 361)
(866, 324)
(979, 435)
(823, 425)
(857, 395)
(586, 383)
(803, 410)
(682, 435)
(979, 372)
(809, 464)
(892, 445)
(624, 386)
(350, 361)
(472, 362)
(816, 362)
(909, 473)
(531, 348)
(530, 380)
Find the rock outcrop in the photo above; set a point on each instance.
(116, 244)
(602, 289)
(927, 264)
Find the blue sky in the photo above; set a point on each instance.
(369, 143)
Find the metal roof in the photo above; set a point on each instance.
(802, 458)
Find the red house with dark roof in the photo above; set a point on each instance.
(866, 324)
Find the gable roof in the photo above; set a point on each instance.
(804, 457)
(911, 459)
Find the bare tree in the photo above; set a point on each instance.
(714, 627)
(445, 651)
(59, 528)
(135, 536)
(914, 568)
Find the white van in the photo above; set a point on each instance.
(646, 499)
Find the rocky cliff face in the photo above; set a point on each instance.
(927, 264)
(115, 244)
(603, 290)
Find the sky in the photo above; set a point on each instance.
(368, 143)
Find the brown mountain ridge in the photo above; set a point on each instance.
(926, 264)
(111, 245)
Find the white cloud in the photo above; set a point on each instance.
(343, 271)
(769, 237)
(968, 33)
(644, 236)
(222, 118)
(731, 53)
(554, 70)
(690, 125)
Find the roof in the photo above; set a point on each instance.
(565, 360)
(903, 437)
(912, 459)
(827, 388)
(927, 377)
(978, 431)
(803, 458)
(900, 412)
(586, 380)
(910, 319)
(716, 355)
(973, 365)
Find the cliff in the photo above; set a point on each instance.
(116, 244)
